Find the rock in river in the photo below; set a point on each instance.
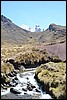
(15, 91)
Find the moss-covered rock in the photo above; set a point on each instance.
(6, 67)
(53, 75)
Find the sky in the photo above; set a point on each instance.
(31, 13)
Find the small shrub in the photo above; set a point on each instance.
(35, 49)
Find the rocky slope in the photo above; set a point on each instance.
(54, 33)
(12, 33)
(58, 49)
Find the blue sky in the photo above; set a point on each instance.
(35, 12)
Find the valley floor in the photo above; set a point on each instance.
(16, 58)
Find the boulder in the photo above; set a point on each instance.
(37, 90)
(16, 78)
(15, 71)
(15, 91)
(33, 86)
(24, 89)
(29, 88)
(11, 75)
(13, 84)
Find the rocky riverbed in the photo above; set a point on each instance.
(26, 88)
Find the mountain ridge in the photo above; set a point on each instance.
(12, 33)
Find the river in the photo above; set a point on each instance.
(28, 85)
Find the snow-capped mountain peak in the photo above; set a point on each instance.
(25, 27)
(36, 28)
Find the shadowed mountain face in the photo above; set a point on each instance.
(13, 34)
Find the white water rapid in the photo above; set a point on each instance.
(26, 78)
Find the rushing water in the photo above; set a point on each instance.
(25, 78)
